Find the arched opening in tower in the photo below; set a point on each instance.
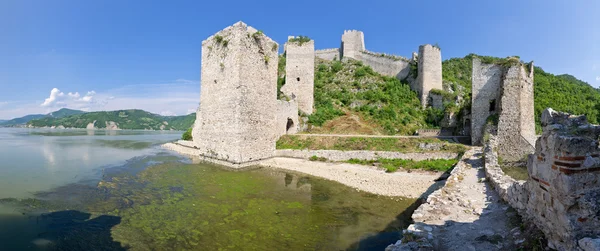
(289, 126)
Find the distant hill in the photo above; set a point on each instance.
(121, 119)
(23, 120)
(64, 112)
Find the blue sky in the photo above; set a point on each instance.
(108, 55)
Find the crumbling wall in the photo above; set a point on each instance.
(486, 81)
(353, 42)
(328, 54)
(387, 65)
(564, 180)
(287, 117)
(516, 126)
(300, 74)
(236, 119)
(429, 71)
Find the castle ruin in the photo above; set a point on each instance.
(237, 115)
(429, 61)
(300, 73)
(563, 184)
(504, 91)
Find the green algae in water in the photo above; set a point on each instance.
(179, 206)
(206, 206)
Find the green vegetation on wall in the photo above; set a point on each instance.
(187, 135)
(300, 40)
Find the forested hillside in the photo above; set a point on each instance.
(124, 119)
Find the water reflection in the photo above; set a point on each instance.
(165, 202)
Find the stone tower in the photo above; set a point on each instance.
(353, 42)
(508, 92)
(300, 74)
(429, 72)
(236, 119)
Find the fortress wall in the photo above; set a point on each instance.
(385, 65)
(328, 54)
(236, 119)
(516, 126)
(353, 42)
(486, 81)
(300, 74)
(430, 71)
(287, 111)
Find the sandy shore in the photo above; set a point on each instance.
(412, 185)
(364, 178)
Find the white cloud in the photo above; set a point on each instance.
(73, 95)
(598, 78)
(55, 95)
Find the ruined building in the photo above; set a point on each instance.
(236, 120)
(300, 73)
(429, 62)
(563, 185)
(504, 91)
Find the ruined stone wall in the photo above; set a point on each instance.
(236, 119)
(353, 42)
(512, 191)
(287, 117)
(516, 126)
(328, 54)
(486, 81)
(387, 65)
(564, 180)
(430, 71)
(300, 74)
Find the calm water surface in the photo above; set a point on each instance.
(116, 190)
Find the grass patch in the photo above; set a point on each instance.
(516, 172)
(392, 165)
(361, 143)
(316, 158)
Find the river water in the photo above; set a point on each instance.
(116, 190)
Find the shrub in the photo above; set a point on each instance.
(300, 40)
(187, 135)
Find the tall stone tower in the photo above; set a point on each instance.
(508, 92)
(516, 124)
(300, 73)
(429, 71)
(236, 119)
(353, 42)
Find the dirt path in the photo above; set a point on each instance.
(467, 214)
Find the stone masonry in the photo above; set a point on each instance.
(564, 181)
(236, 120)
(562, 193)
(300, 74)
(429, 62)
(506, 92)
(287, 117)
(430, 72)
(353, 42)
